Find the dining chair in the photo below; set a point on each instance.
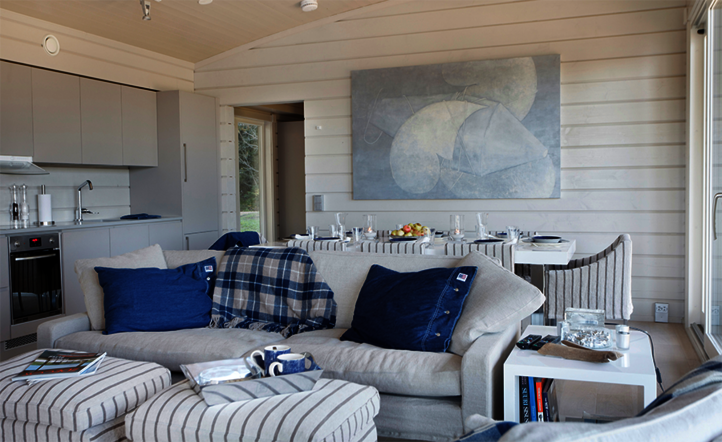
(311, 245)
(601, 281)
(394, 248)
(503, 252)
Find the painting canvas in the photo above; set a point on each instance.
(468, 130)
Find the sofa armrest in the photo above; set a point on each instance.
(50, 331)
(482, 373)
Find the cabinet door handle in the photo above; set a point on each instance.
(188, 243)
(185, 163)
(714, 214)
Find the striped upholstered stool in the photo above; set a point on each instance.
(76, 409)
(334, 410)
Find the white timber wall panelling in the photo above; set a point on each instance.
(229, 160)
(89, 55)
(623, 116)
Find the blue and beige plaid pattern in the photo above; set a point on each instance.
(271, 289)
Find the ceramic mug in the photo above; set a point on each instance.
(270, 354)
(293, 363)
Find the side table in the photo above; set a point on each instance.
(635, 368)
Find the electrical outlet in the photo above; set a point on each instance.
(715, 314)
(661, 312)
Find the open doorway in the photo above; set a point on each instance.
(271, 169)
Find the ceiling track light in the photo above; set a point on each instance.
(205, 2)
(309, 5)
(145, 4)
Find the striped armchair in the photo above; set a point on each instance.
(310, 245)
(394, 248)
(601, 281)
(502, 252)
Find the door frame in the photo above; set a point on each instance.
(265, 166)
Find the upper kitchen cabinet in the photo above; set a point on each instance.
(187, 180)
(140, 127)
(16, 110)
(56, 117)
(101, 123)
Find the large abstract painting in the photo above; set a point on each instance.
(479, 129)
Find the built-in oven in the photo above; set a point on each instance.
(36, 288)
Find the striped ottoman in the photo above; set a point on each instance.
(334, 411)
(76, 409)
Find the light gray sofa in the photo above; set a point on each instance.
(424, 395)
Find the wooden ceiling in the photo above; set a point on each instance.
(181, 28)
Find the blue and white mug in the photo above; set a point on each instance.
(270, 354)
(293, 363)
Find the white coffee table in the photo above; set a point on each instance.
(635, 368)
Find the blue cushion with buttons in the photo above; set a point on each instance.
(152, 299)
(410, 311)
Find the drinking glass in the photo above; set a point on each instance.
(482, 219)
(357, 234)
(370, 231)
(341, 223)
(333, 230)
(512, 233)
(313, 231)
(456, 227)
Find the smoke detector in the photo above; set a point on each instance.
(51, 45)
(309, 5)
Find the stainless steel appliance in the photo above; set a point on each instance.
(36, 290)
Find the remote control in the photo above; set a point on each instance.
(543, 341)
(526, 342)
(552, 339)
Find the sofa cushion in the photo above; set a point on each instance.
(157, 299)
(402, 372)
(345, 273)
(410, 310)
(171, 349)
(497, 299)
(85, 269)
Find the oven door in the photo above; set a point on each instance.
(35, 285)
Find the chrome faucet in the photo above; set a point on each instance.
(80, 210)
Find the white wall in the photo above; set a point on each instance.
(623, 115)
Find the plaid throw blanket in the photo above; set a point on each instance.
(271, 289)
(707, 374)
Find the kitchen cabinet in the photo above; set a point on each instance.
(101, 123)
(80, 244)
(128, 238)
(200, 241)
(56, 117)
(169, 236)
(140, 127)
(16, 110)
(4, 264)
(187, 179)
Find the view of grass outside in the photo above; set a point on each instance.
(248, 177)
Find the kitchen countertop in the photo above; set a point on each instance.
(88, 224)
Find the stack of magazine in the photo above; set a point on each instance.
(52, 364)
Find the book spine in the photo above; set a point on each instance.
(539, 402)
(532, 400)
(524, 410)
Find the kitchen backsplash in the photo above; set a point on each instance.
(110, 196)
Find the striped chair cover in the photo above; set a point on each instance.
(601, 281)
(310, 245)
(394, 248)
(502, 252)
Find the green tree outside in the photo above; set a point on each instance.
(248, 177)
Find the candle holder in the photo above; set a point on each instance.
(456, 227)
(370, 231)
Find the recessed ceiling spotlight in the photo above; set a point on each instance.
(309, 5)
(51, 45)
(205, 2)
(145, 4)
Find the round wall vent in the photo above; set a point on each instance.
(309, 5)
(51, 45)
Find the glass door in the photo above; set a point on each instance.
(713, 297)
(249, 176)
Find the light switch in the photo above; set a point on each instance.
(318, 203)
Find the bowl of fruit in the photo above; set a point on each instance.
(409, 232)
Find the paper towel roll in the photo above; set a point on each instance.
(45, 209)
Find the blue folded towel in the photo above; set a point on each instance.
(140, 216)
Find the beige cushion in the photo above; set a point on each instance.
(172, 348)
(85, 269)
(410, 373)
(345, 273)
(177, 258)
(497, 299)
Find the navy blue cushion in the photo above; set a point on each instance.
(151, 299)
(410, 311)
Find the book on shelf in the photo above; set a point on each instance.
(524, 405)
(532, 400)
(538, 382)
(549, 395)
(537, 400)
(53, 364)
